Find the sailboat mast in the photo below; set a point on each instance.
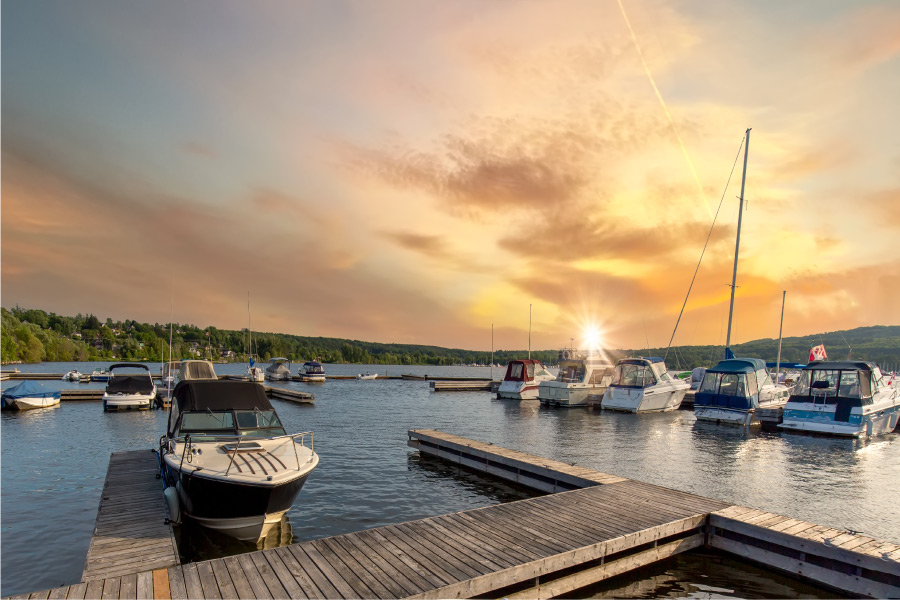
(737, 245)
(529, 331)
(780, 331)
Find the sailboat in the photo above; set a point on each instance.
(254, 373)
(734, 389)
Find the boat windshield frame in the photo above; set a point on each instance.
(235, 424)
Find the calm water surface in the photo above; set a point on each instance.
(54, 463)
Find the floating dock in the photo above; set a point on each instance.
(461, 386)
(591, 527)
(288, 395)
(132, 532)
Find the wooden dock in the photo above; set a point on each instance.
(295, 396)
(601, 526)
(131, 533)
(461, 386)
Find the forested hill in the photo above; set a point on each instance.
(31, 335)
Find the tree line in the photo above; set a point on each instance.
(33, 335)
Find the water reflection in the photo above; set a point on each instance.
(702, 574)
(197, 543)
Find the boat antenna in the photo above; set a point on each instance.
(705, 244)
(737, 246)
(780, 331)
(850, 349)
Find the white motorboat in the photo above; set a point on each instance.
(279, 369)
(255, 373)
(72, 375)
(360, 376)
(130, 387)
(28, 395)
(644, 385)
(734, 389)
(228, 463)
(312, 371)
(842, 398)
(522, 379)
(101, 375)
(580, 375)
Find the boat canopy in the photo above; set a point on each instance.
(312, 363)
(524, 370)
(846, 384)
(733, 384)
(639, 372)
(28, 389)
(279, 359)
(194, 370)
(129, 384)
(841, 365)
(129, 366)
(216, 396)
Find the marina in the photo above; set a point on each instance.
(780, 473)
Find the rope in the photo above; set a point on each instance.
(708, 236)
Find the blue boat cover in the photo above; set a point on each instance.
(31, 389)
(739, 365)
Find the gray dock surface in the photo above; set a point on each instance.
(131, 533)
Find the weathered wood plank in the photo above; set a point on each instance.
(207, 580)
(326, 589)
(76, 592)
(128, 587)
(176, 583)
(145, 585)
(326, 559)
(110, 588)
(192, 581)
(268, 576)
(223, 579)
(253, 577)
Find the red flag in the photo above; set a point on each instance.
(817, 353)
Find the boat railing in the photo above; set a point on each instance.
(292, 436)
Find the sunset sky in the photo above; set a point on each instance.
(415, 171)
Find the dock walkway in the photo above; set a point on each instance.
(599, 526)
(131, 533)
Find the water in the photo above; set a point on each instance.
(54, 463)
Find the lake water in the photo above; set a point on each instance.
(54, 463)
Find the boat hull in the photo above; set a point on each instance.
(31, 402)
(238, 509)
(725, 416)
(568, 396)
(514, 390)
(114, 402)
(810, 418)
(639, 400)
(313, 378)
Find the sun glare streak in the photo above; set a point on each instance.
(665, 109)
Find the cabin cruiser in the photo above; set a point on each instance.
(277, 371)
(734, 389)
(844, 398)
(28, 395)
(72, 375)
(227, 461)
(522, 379)
(367, 376)
(312, 371)
(129, 390)
(644, 385)
(580, 375)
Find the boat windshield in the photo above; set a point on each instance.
(630, 375)
(252, 423)
(831, 383)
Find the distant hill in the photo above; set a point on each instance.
(33, 335)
